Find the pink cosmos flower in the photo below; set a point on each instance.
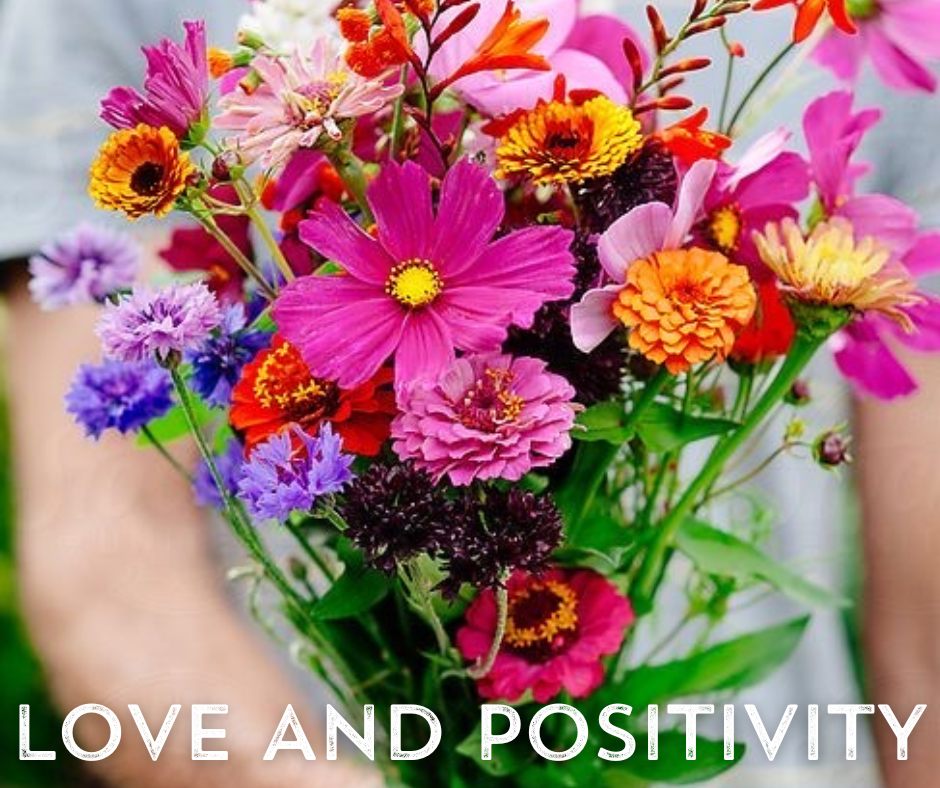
(429, 283)
(302, 97)
(900, 37)
(587, 50)
(486, 417)
(176, 87)
(863, 350)
(561, 624)
(649, 228)
(763, 187)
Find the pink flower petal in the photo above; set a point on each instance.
(592, 320)
(924, 256)
(400, 198)
(426, 347)
(692, 193)
(884, 218)
(332, 233)
(872, 368)
(633, 237)
(896, 67)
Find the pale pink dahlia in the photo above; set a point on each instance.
(302, 97)
(487, 417)
(561, 625)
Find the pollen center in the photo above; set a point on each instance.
(284, 383)
(147, 179)
(542, 620)
(491, 402)
(724, 228)
(414, 283)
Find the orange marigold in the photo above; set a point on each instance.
(685, 306)
(140, 171)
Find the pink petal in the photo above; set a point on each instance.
(926, 335)
(332, 233)
(477, 316)
(884, 218)
(692, 193)
(873, 369)
(634, 237)
(470, 211)
(842, 54)
(784, 179)
(583, 71)
(592, 320)
(400, 198)
(924, 256)
(426, 347)
(758, 156)
(602, 35)
(896, 67)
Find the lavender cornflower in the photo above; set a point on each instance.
(176, 87)
(229, 466)
(160, 323)
(291, 470)
(83, 266)
(217, 365)
(119, 396)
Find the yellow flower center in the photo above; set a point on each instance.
(414, 283)
(724, 228)
(542, 620)
(284, 382)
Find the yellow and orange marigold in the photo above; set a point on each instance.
(561, 142)
(140, 171)
(685, 307)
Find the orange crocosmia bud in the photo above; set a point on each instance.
(354, 24)
(688, 141)
(220, 62)
(810, 12)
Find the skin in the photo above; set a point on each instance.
(124, 600)
(897, 472)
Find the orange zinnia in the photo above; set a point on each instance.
(277, 390)
(685, 306)
(140, 171)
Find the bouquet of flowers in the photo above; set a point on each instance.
(466, 280)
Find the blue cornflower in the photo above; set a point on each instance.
(229, 466)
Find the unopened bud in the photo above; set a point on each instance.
(799, 394)
(736, 49)
(222, 166)
(831, 450)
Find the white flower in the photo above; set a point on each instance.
(282, 23)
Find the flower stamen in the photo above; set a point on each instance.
(542, 620)
(414, 283)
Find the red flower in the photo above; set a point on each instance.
(770, 332)
(808, 14)
(277, 390)
(689, 142)
(561, 624)
(193, 249)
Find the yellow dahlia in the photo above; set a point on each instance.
(685, 306)
(832, 268)
(560, 142)
(140, 171)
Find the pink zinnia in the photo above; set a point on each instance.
(561, 625)
(302, 97)
(898, 36)
(429, 283)
(487, 417)
(176, 87)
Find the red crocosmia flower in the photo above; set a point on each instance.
(561, 625)
(276, 390)
(193, 249)
(808, 14)
(689, 142)
(770, 332)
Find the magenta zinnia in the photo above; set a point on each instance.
(175, 90)
(487, 417)
(430, 283)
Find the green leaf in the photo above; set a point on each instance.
(662, 428)
(605, 421)
(173, 426)
(672, 767)
(358, 590)
(507, 758)
(718, 552)
(734, 664)
(575, 496)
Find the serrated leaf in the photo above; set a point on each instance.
(662, 428)
(718, 552)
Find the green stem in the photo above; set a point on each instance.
(351, 171)
(782, 55)
(398, 119)
(502, 607)
(210, 226)
(729, 80)
(165, 453)
(315, 558)
(804, 347)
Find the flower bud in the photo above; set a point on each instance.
(799, 394)
(297, 568)
(831, 450)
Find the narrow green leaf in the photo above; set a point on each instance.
(605, 421)
(575, 497)
(507, 758)
(662, 428)
(718, 552)
(173, 426)
(358, 590)
(671, 766)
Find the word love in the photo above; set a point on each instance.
(365, 742)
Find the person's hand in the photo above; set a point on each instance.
(122, 597)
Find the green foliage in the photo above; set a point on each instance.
(671, 767)
(358, 590)
(720, 553)
(662, 428)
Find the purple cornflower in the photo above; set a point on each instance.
(119, 396)
(229, 465)
(176, 87)
(217, 365)
(83, 266)
(158, 323)
(291, 470)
